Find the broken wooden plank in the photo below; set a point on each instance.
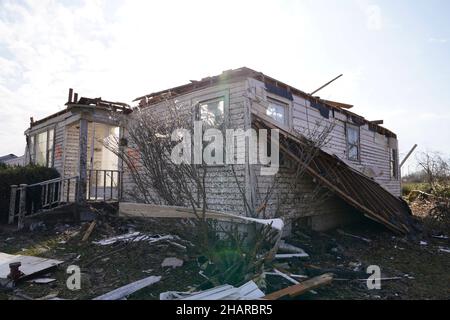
(353, 236)
(29, 264)
(301, 288)
(145, 210)
(124, 291)
(89, 231)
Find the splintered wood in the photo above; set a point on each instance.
(298, 289)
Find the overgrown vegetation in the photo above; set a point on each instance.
(431, 186)
(20, 175)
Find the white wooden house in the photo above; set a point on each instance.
(70, 141)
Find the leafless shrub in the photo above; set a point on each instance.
(436, 171)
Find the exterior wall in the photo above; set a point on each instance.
(250, 95)
(331, 211)
(223, 192)
(374, 148)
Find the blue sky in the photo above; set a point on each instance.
(395, 55)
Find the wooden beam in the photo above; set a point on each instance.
(303, 287)
(82, 161)
(408, 155)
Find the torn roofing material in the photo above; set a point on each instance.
(272, 85)
(358, 190)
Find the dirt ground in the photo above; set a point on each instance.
(416, 267)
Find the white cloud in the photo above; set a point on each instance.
(438, 40)
(374, 17)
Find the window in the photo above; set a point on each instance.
(352, 133)
(212, 112)
(277, 111)
(393, 163)
(41, 148)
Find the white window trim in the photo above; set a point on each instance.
(347, 125)
(32, 149)
(289, 111)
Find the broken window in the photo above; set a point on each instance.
(352, 133)
(277, 110)
(212, 112)
(393, 163)
(41, 148)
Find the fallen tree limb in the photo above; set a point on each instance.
(301, 288)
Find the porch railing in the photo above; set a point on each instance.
(27, 199)
(104, 185)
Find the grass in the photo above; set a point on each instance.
(410, 186)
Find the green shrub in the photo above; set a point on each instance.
(20, 175)
(408, 187)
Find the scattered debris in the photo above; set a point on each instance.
(353, 236)
(442, 237)
(29, 264)
(42, 280)
(286, 247)
(89, 231)
(301, 288)
(134, 237)
(36, 226)
(247, 291)
(423, 243)
(291, 255)
(15, 274)
(442, 249)
(281, 274)
(125, 291)
(172, 262)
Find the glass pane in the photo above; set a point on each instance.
(41, 148)
(353, 152)
(352, 135)
(277, 111)
(212, 113)
(51, 138)
(32, 149)
(50, 159)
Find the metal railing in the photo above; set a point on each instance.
(31, 199)
(104, 185)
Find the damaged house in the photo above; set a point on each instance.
(356, 165)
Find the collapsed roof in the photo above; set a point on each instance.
(358, 190)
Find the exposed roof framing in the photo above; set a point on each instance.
(233, 75)
(84, 102)
(358, 190)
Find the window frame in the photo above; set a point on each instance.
(348, 144)
(283, 104)
(198, 114)
(211, 97)
(49, 161)
(393, 164)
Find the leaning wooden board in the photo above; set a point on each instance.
(30, 264)
(301, 288)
